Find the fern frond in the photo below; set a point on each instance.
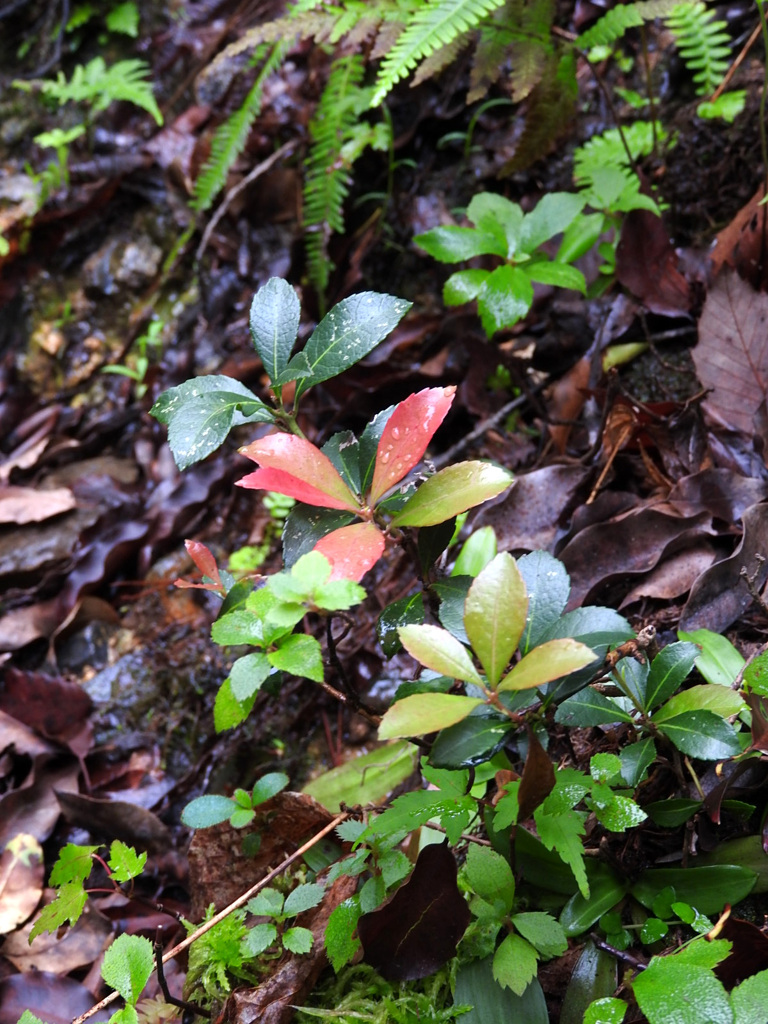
(439, 60)
(607, 149)
(703, 43)
(520, 31)
(100, 85)
(615, 23)
(231, 137)
(549, 113)
(435, 24)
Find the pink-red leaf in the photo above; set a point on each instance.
(404, 440)
(293, 466)
(352, 550)
(206, 563)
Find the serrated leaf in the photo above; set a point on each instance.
(515, 963)
(505, 297)
(618, 813)
(352, 550)
(425, 712)
(406, 435)
(73, 864)
(247, 675)
(454, 244)
(494, 614)
(303, 897)
(543, 932)
(292, 465)
(127, 965)
(669, 990)
(66, 908)
(451, 491)
(204, 811)
(490, 875)
(669, 669)
(239, 626)
(274, 324)
(228, 711)
(436, 649)
(348, 332)
(257, 939)
(748, 999)
(124, 862)
(562, 833)
(701, 734)
(341, 943)
(300, 655)
(298, 940)
(547, 662)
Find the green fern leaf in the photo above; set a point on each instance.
(434, 25)
(549, 113)
(101, 85)
(703, 43)
(615, 23)
(607, 150)
(231, 137)
(520, 31)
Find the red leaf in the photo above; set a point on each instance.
(295, 467)
(206, 563)
(352, 550)
(409, 430)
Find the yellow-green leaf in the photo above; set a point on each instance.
(435, 648)
(425, 712)
(546, 662)
(495, 613)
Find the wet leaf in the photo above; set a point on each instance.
(494, 614)
(274, 323)
(548, 586)
(453, 244)
(505, 297)
(548, 661)
(300, 655)
(669, 669)
(127, 965)
(701, 734)
(477, 551)
(490, 876)
(425, 712)
(406, 435)
(305, 526)
(719, 661)
(477, 987)
(352, 550)
(670, 990)
(594, 978)
(408, 611)
(348, 332)
(515, 963)
(451, 491)
(436, 649)
(293, 466)
(471, 741)
(720, 700)
(417, 930)
(708, 889)
(581, 912)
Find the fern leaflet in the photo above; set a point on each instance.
(702, 42)
(436, 24)
(230, 138)
(615, 23)
(100, 85)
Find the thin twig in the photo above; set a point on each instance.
(239, 902)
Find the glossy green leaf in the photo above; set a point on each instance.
(495, 613)
(671, 991)
(452, 592)
(561, 275)
(408, 611)
(668, 671)
(548, 587)
(492, 1004)
(632, 677)
(635, 759)
(719, 661)
(701, 734)
(548, 661)
(720, 700)
(756, 675)
(476, 552)
(594, 626)
(672, 813)
(451, 491)
(300, 655)
(707, 889)
(463, 286)
(579, 239)
(247, 675)
(274, 324)
(580, 912)
(588, 708)
(201, 412)
(472, 741)
(425, 712)
(750, 998)
(498, 216)
(616, 813)
(592, 982)
(369, 446)
(306, 525)
(348, 332)
(505, 297)
(555, 212)
(452, 244)
(343, 449)
(436, 649)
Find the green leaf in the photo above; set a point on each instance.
(298, 940)
(366, 779)
(208, 810)
(238, 627)
(499, 217)
(74, 864)
(463, 286)
(495, 613)
(580, 237)
(476, 552)
(306, 525)
(201, 412)
(594, 626)
(228, 711)
(563, 832)
(127, 1015)
(582, 911)
(476, 987)
(452, 592)
(247, 674)
(548, 661)
(408, 611)
(274, 323)
(124, 862)
(303, 897)
(555, 212)
(341, 943)
(425, 712)
(635, 759)
(607, 1010)
(617, 813)
(472, 741)
(267, 786)
(127, 965)
(701, 734)
(436, 649)
(67, 907)
(756, 675)
(708, 888)
(653, 929)
(669, 991)
(543, 932)
(451, 491)
(561, 275)
(343, 449)
(348, 332)
(258, 939)
(267, 903)
(748, 1000)
(453, 244)
(490, 876)
(29, 1018)
(668, 671)
(604, 767)
(719, 661)
(505, 297)
(300, 655)
(588, 708)
(548, 587)
(515, 963)
(720, 700)
(673, 812)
